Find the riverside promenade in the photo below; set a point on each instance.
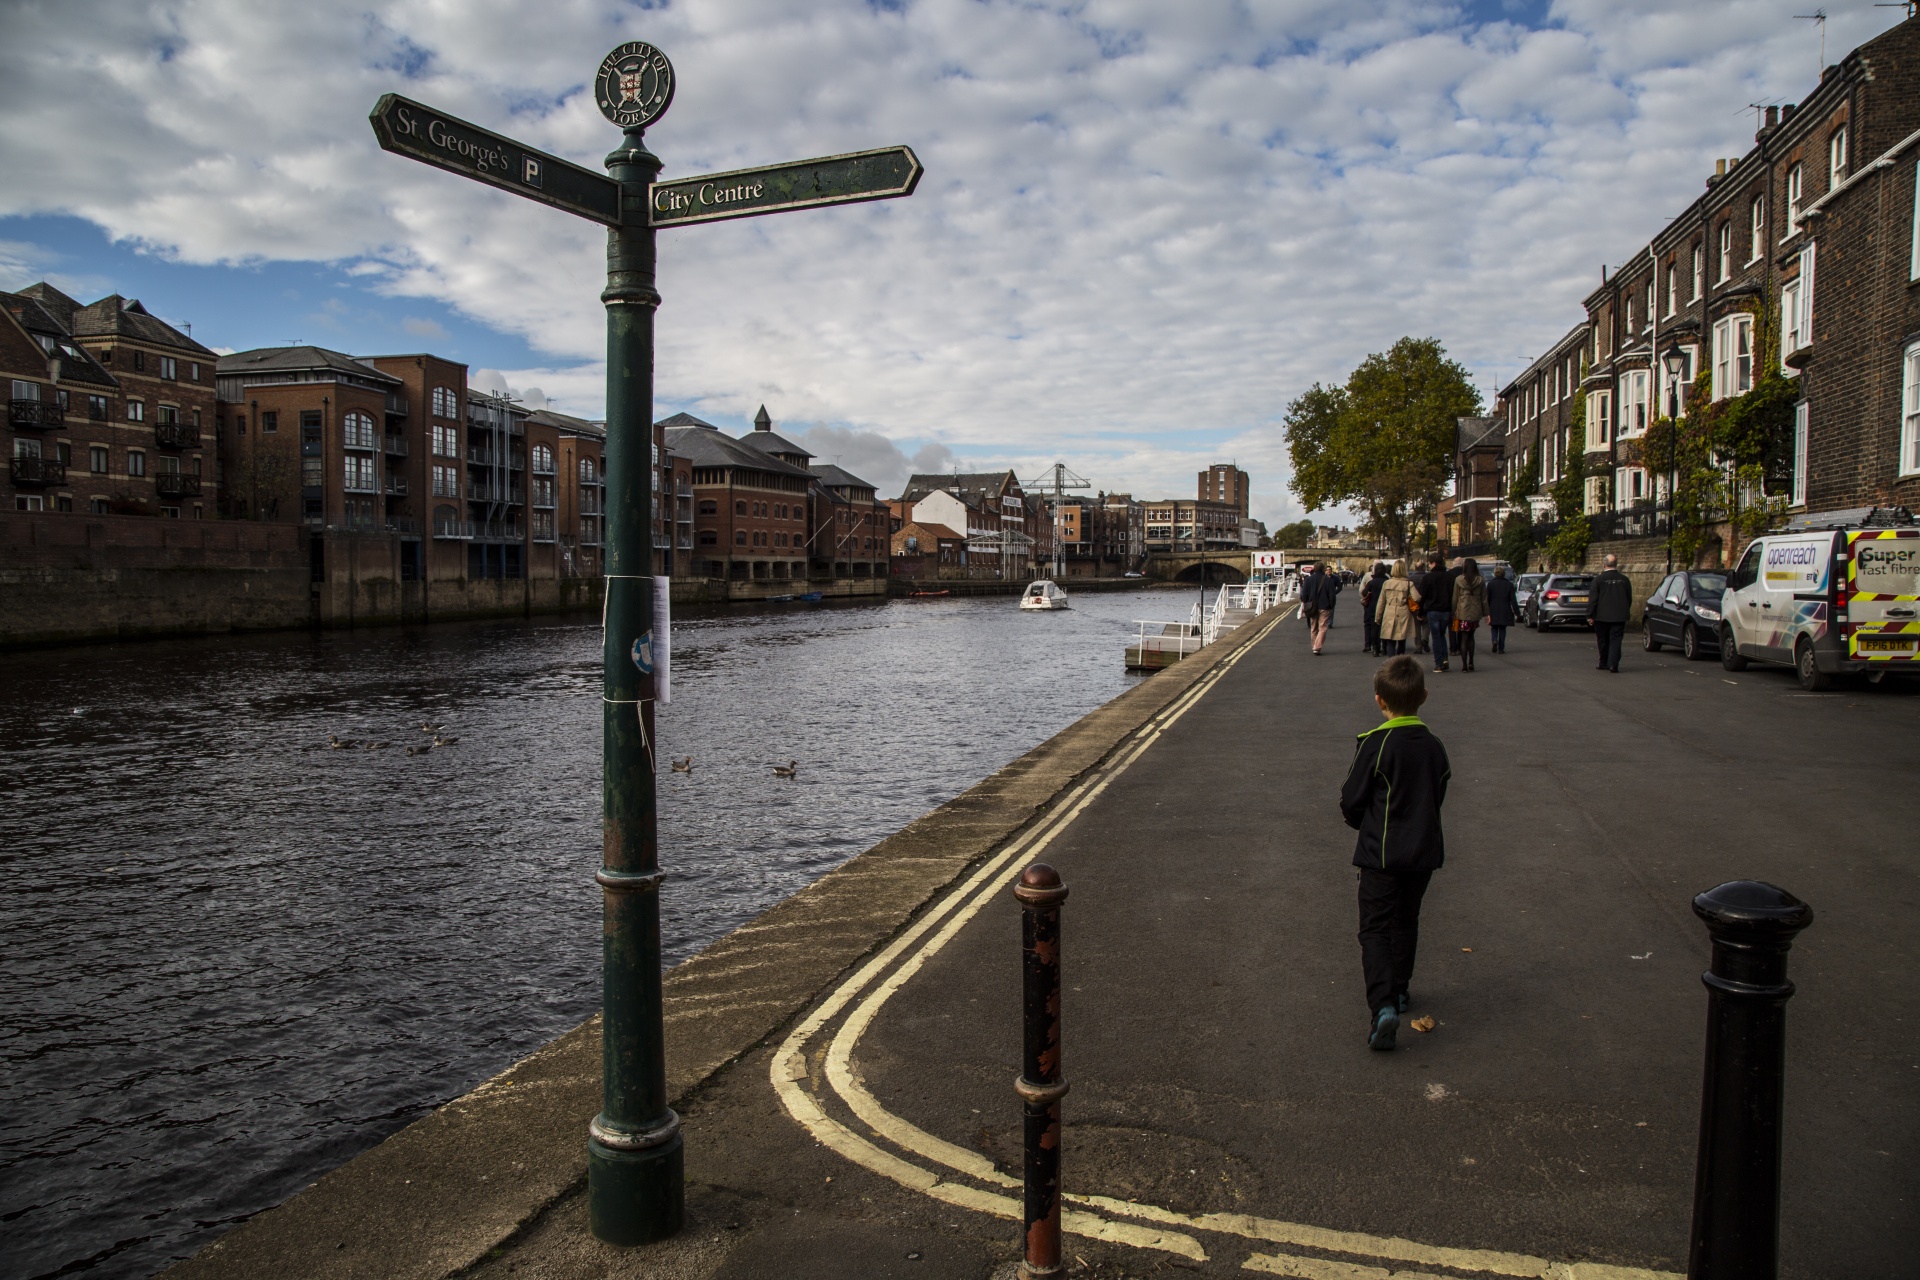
(844, 1064)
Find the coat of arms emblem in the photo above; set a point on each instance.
(635, 85)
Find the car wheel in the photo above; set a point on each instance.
(1812, 678)
(1647, 638)
(1690, 643)
(1729, 652)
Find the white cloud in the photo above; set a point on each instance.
(1144, 227)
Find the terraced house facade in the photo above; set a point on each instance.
(1789, 290)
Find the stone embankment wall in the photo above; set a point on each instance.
(68, 577)
(1645, 561)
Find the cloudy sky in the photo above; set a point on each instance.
(1145, 224)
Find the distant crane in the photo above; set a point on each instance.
(1060, 479)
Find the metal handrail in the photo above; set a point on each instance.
(31, 470)
(43, 414)
(396, 444)
(176, 435)
(176, 484)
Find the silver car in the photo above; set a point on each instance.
(1525, 588)
(1561, 598)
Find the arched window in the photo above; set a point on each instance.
(708, 507)
(740, 538)
(739, 508)
(708, 538)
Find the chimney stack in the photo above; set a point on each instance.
(1719, 168)
(1773, 116)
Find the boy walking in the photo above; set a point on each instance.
(1392, 798)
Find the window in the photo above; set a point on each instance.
(708, 507)
(310, 472)
(136, 411)
(542, 492)
(1913, 266)
(1596, 495)
(357, 432)
(739, 508)
(445, 403)
(446, 442)
(97, 408)
(1726, 250)
(740, 538)
(446, 482)
(1599, 419)
(1910, 414)
(193, 375)
(1629, 487)
(140, 360)
(1756, 229)
(168, 414)
(1796, 180)
(169, 368)
(1629, 306)
(1673, 289)
(1837, 158)
(1733, 355)
(360, 474)
(136, 463)
(1699, 272)
(586, 471)
(1649, 317)
(543, 459)
(269, 422)
(708, 538)
(1792, 336)
(1634, 394)
(97, 459)
(1799, 498)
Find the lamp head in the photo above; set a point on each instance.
(1675, 359)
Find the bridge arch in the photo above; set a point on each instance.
(1211, 572)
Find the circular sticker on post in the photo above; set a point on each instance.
(635, 85)
(643, 654)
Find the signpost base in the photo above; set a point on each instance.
(635, 1197)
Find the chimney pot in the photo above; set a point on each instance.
(1773, 116)
(1719, 168)
(1786, 112)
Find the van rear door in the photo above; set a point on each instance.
(1883, 595)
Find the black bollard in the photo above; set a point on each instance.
(1736, 1184)
(1040, 1086)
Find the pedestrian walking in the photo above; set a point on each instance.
(1503, 606)
(1469, 607)
(1392, 797)
(1369, 617)
(1453, 632)
(1436, 606)
(1609, 605)
(1317, 596)
(1393, 609)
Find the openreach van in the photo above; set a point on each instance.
(1835, 593)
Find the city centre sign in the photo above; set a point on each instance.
(635, 1162)
(807, 184)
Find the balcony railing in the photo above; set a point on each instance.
(176, 435)
(176, 484)
(491, 493)
(518, 461)
(396, 487)
(461, 530)
(38, 415)
(481, 456)
(396, 404)
(38, 471)
(500, 530)
(396, 445)
(683, 490)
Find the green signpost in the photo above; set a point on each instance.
(634, 1162)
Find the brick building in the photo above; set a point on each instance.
(851, 524)
(988, 508)
(750, 505)
(580, 476)
(62, 403)
(1188, 524)
(1802, 253)
(1225, 482)
(1478, 482)
(1537, 412)
(1102, 536)
(928, 551)
(133, 447)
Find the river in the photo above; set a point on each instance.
(235, 957)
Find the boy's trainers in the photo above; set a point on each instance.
(1386, 1026)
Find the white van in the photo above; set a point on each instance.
(1835, 593)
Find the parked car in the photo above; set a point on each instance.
(1525, 588)
(1831, 595)
(1561, 598)
(1684, 610)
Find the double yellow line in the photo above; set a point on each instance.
(798, 1061)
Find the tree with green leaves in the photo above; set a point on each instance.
(1384, 442)
(1294, 536)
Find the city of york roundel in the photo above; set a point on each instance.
(635, 85)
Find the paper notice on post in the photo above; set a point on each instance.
(662, 641)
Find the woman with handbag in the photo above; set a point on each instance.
(1469, 607)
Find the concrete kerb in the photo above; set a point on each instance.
(437, 1197)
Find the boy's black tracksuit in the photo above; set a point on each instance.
(1392, 798)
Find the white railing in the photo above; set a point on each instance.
(1178, 638)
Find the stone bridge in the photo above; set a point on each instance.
(1235, 565)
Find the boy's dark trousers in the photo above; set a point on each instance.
(1389, 931)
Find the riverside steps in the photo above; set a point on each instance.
(844, 1064)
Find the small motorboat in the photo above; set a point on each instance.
(1043, 595)
(927, 595)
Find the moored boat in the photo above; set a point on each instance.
(1043, 594)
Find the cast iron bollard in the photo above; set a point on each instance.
(1040, 1086)
(1736, 1184)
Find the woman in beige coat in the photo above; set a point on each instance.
(1393, 611)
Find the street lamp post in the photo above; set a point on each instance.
(1675, 361)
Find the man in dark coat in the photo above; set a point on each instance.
(1503, 602)
(1317, 596)
(1609, 605)
(1369, 596)
(1436, 606)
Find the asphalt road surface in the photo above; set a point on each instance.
(1215, 1015)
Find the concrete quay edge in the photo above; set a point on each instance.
(440, 1195)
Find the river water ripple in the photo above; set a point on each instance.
(235, 958)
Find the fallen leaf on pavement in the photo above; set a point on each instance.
(1466, 948)
(1422, 1024)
